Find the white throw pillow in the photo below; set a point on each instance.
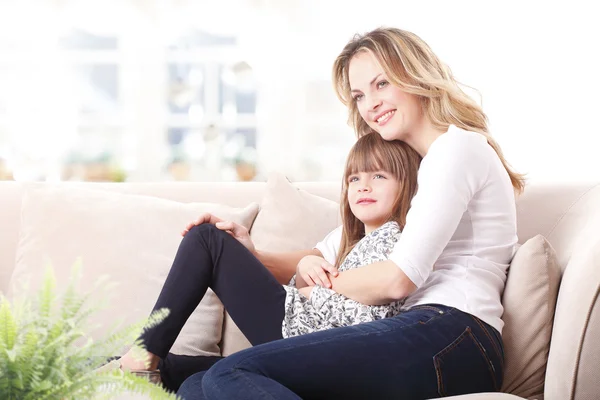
(289, 219)
(131, 238)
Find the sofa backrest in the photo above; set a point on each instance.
(234, 194)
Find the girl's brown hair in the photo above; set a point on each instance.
(369, 154)
(410, 64)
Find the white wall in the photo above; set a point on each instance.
(536, 65)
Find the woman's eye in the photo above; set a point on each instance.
(382, 84)
(358, 97)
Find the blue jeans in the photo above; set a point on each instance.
(427, 352)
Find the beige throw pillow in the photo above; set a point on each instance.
(292, 219)
(529, 300)
(130, 238)
(289, 219)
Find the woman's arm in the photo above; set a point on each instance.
(283, 265)
(378, 283)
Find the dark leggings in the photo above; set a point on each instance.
(210, 258)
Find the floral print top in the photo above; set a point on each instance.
(327, 309)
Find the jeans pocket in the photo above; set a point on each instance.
(465, 367)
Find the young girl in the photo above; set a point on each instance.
(379, 182)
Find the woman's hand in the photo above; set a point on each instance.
(237, 231)
(313, 271)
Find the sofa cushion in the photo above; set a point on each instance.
(289, 219)
(131, 239)
(529, 301)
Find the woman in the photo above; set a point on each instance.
(450, 262)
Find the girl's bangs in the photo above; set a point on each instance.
(369, 155)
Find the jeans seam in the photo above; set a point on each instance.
(494, 345)
(423, 307)
(486, 358)
(468, 332)
(436, 359)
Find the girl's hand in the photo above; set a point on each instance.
(205, 218)
(235, 230)
(239, 232)
(306, 291)
(313, 271)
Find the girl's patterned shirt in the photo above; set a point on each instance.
(327, 309)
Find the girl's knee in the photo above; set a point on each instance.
(203, 228)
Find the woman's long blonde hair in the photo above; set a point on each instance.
(410, 64)
(372, 153)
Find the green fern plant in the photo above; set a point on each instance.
(45, 354)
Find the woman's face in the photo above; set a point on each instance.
(386, 108)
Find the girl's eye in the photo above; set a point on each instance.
(382, 84)
(379, 176)
(352, 179)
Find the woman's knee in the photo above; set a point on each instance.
(219, 379)
(191, 388)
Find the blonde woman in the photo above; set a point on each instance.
(449, 263)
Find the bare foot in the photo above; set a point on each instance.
(140, 360)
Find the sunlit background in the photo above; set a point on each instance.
(230, 90)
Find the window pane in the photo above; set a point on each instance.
(186, 90)
(237, 89)
(96, 87)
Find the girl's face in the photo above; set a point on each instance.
(371, 196)
(386, 108)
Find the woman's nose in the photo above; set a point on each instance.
(374, 103)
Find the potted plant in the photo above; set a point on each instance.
(45, 354)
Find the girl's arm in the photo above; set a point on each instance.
(283, 265)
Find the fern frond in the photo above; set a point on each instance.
(8, 325)
(46, 354)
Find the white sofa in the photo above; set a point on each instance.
(567, 215)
